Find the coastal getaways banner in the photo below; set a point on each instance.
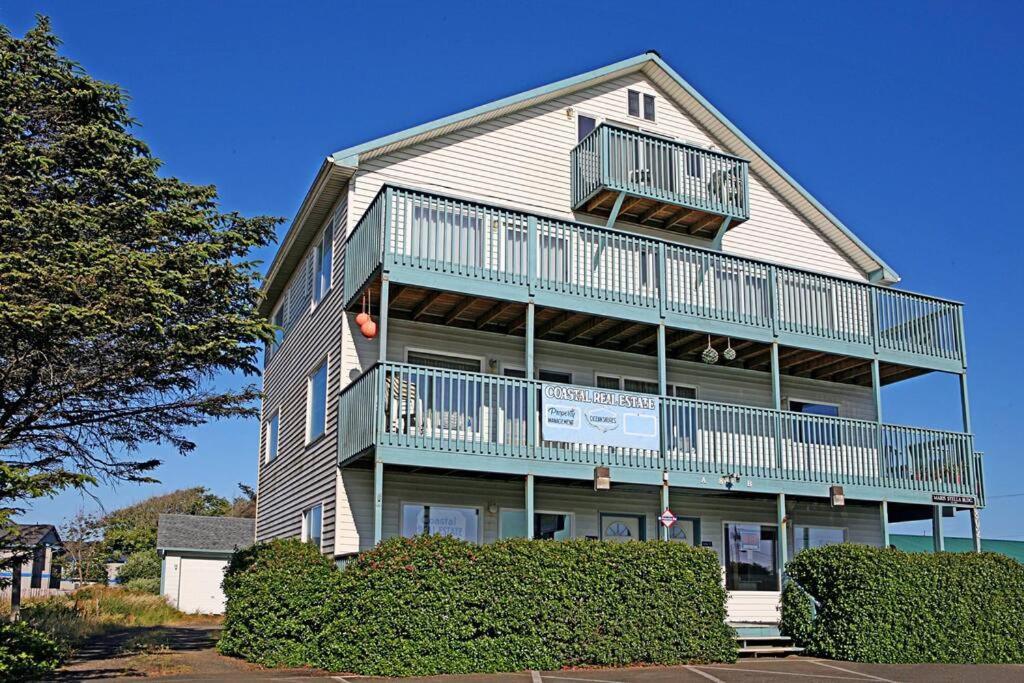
(599, 417)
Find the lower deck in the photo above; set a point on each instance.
(742, 529)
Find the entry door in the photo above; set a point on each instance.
(622, 528)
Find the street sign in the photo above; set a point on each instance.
(667, 519)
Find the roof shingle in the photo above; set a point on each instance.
(194, 532)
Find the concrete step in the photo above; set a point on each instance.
(769, 651)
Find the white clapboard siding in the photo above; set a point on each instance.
(303, 475)
(355, 522)
(522, 160)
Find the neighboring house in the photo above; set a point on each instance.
(41, 545)
(194, 552)
(924, 544)
(599, 283)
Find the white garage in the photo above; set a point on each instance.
(194, 553)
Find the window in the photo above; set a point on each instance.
(279, 324)
(681, 391)
(816, 536)
(514, 372)
(622, 528)
(313, 525)
(272, 430)
(445, 362)
(751, 557)
(584, 126)
(555, 376)
(446, 520)
(324, 258)
(555, 526)
(811, 430)
(634, 99)
(316, 401)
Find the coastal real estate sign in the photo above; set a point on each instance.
(599, 417)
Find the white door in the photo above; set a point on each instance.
(199, 588)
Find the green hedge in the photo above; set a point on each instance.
(884, 605)
(433, 605)
(27, 653)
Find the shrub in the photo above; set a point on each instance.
(151, 586)
(26, 653)
(144, 564)
(432, 605)
(281, 597)
(798, 613)
(884, 605)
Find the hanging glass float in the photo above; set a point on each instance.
(729, 353)
(709, 356)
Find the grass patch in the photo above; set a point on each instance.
(93, 610)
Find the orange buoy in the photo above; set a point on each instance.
(362, 318)
(369, 329)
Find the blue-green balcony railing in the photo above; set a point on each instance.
(653, 167)
(440, 413)
(446, 243)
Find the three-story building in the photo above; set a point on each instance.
(568, 312)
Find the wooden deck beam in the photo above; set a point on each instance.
(458, 309)
(428, 301)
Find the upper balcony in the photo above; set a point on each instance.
(670, 185)
(443, 244)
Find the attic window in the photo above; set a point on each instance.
(634, 98)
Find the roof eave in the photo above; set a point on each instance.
(326, 187)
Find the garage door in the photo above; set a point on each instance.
(199, 587)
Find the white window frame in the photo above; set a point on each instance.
(479, 516)
(725, 550)
(571, 515)
(267, 458)
(564, 371)
(845, 530)
(305, 524)
(317, 267)
(447, 354)
(671, 385)
(798, 399)
(326, 364)
(641, 105)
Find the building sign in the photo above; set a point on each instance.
(599, 417)
(951, 499)
(667, 519)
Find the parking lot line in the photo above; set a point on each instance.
(853, 671)
(535, 677)
(729, 667)
(704, 674)
(589, 680)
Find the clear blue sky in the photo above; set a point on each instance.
(903, 118)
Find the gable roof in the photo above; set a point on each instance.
(196, 532)
(31, 535)
(661, 74)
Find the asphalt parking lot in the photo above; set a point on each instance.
(794, 669)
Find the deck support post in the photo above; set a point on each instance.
(531, 393)
(876, 389)
(662, 391)
(783, 531)
(378, 501)
(664, 506)
(777, 405)
(616, 207)
(937, 537)
(965, 407)
(529, 506)
(385, 293)
(976, 529)
(884, 510)
(662, 361)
